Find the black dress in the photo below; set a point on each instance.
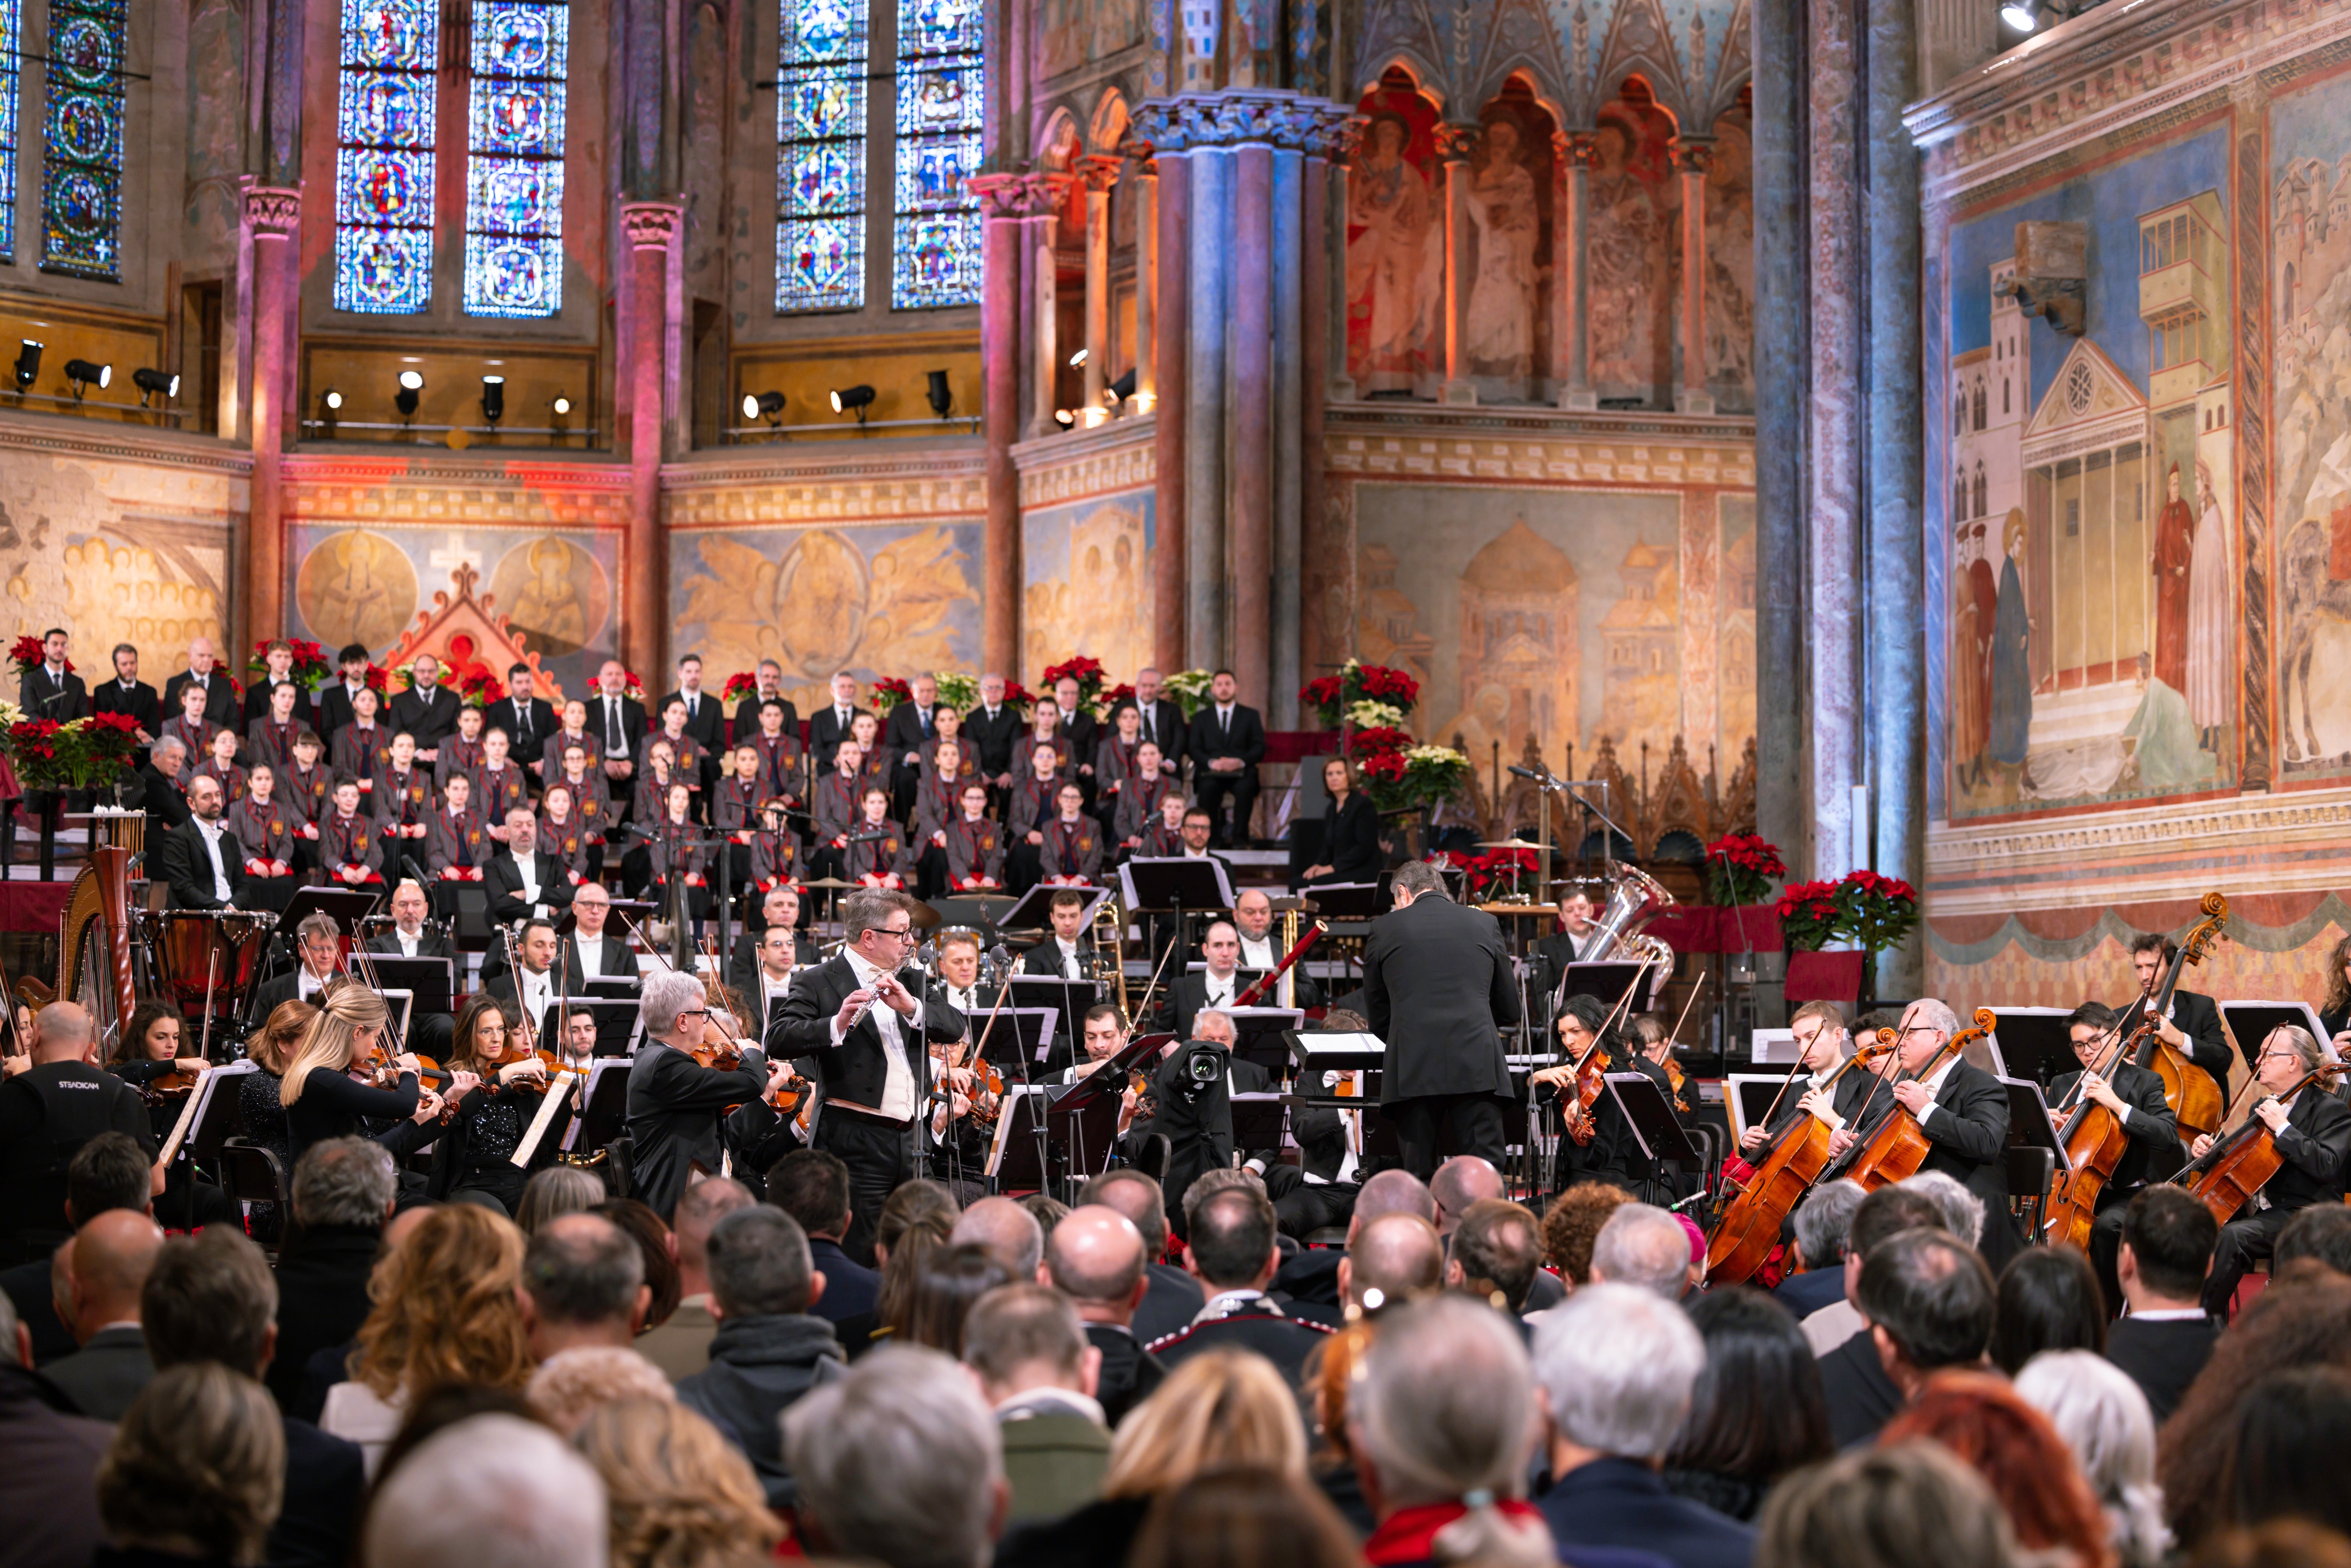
(181, 1189)
(476, 1152)
(262, 1116)
(1351, 842)
(332, 1105)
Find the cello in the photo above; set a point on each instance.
(2094, 1137)
(2226, 1175)
(1749, 1228)
(2194, 1098)
(1899, 1145)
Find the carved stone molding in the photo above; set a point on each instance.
(273, 211)
(1456, 143)
(651, 225)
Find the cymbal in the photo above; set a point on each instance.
(1508, 844)
(925, 916)
(827, 882)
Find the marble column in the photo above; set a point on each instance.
(273, 218)
(1691, 159)
(1004, 209)
(1253, 420)
(1315, 288)
(651, 230)
(1204, 477)
(1576, 152)
(1782, 350)
(1146, 283)
(1833, 524)
(1101, 175)
(1046, 195)
(1454, 145)
(1171, 360)
(1346, 137)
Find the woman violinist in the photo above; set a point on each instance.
(483, 1123)
(2311, 1131)
(153, 1060)
(350, 1033)
(1592, 1046)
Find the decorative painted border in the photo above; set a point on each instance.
(60, 436)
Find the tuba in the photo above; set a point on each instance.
(1632, 903)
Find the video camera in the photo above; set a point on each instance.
(1199, 1067)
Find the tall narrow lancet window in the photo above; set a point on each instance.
(821, 156)
(383, 158)
(514, 170)
(81, 170)
(12, 44)
(941, 89)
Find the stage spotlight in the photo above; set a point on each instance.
(2021, 15)
(1119, 390)
(562, 406)
(767, 405)
(333, 400)
(1078, 358)
(330, 404)
(1065, 418)
(81, 372)
(942, 395)
(856, 400)
(493, 399)
(28, 362)
(411, 383)
(154, 384)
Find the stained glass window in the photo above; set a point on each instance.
(383, 160)
(81, 170)
(937, 242)
(821, 160)
(12, 25)
(513, 176)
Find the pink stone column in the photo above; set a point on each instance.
(1171, 318)
(1147, 281)
(1048, 194)
(1101, 175)
(1004, 208)
(651, 228)
(1454, 145)
(1250, 517)
(1575, 294)
(1690, 396)
(273, 215)
(1833, 508)
(1315, 390)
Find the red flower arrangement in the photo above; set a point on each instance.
(27, 652)
(1872, 911)
(81, 754)
(1485, 872)
(741, 684)
(479, 688)
(1111, 699)
(1017, 695)
(1321, 693)
(377, 677)
(1088, 672)
(1808, 916)
(1387, 768)
(889, 691)
(1367, 744)
(1332, 695)
(33, 740)
(1739, 868)
(1388, 686)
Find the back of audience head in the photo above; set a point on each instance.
(344, 1182)
(1021, 1336)
(1220, 1408)
(572, 1382)
(757, 1259)
(2048, 1300)
(2320, 1234)
(1982, 1419)
(1643, 1245)
(1571, 1224)
(1899, 1505)
(583, 1281)
(210, 1297)
(656, 1249)
(2104, 1418)
(1141, 1199)
(1232, 1242)
(2281, 1543)
(700, 1208)
(899, 1462)
(1618, 1366)
(680, 1494)
(1006, 1228)
(1046, 1209)
(1096, 1257)
(1244, 1518)
(914, 1203)
(947, 1281)
(902, 1268)
(110, 1171)
(492, 1491)
(97, 1276)
(1497, 1251)
(1962, 1211)
(1757, 1411)
(1393, 1191)
(1825, 1219)
(812, 1186)
(2288, 1428)
(15, 1340)
(1394, 1258)
(1442, 1407)
(555, 1192)
(444, 1307)
(1460, 1182)
(197, 1467)
(1929, 1301)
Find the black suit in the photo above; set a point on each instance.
(1438, 988)
(1173, 1300)
(612, 958)
(674, 1108)
(827, 730)
(2200, 1019)
(905, 729)
(187, 865)
(2317, 1136)
(706, 721)
(1350, 842)
(1860, 1397)
(157, 796)
(322, 1298)
(1253, 1323)
(503, 881)
(427, 717)
(1242, 735)
(429, 945)
(992, 738)
(1187, 997)
(1163, 721)
(2149, 1126)
(60, 699)
(1130, 1373)
(631, 725)
(324, 1479)
(139, 701)
(105, 1374)
(747, 717)
(1966, 1135)
(1623, 1503)
(527, 731)
(2162, 1357)
(220, 701)
(334, 708)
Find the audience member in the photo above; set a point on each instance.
(679, 1495)
(2048, 1299)
(572, 1382)
(1496, 1254)
(1929, 1302)
(95, 1282)
(45, 1490)
(1029, 1351)
(769, 1350)
(1571, 1224)
(583, 1283)
(1006, 1228)
(1308, 1286)
(1821, 1224)
(494, 1492)
(812, 1186)
(2166, 1251)
(2320, 1234)
(656, 1249)
(1391, 1259)
(1046, 1210)
(1903, 1505)
(903, 1258)
(1233, 1249)
(898, 1462)
(554, 1192)
(1619, 1366)
(680, 1346)
(1962, 1210)
(343, 1193)
(195, 1472)
(1757, 1413)
(2287, 1427)
(110, 1171)
(1096, 1257)
(2281, 1543)
(1643, 1245)
(1980, 1418)
(949, 1281)
(1853, 1379)
(1243, 1519)
(2103, 1417)
(1463, 1180)
(1174, 1297)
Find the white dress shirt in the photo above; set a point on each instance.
(408, 940)
(528, 873)
(898, 1080)
(1256, 953)
(1068, 959)
(211, 833)
(1221, 991)
(536, 994)
(306, 984)
(591, 956)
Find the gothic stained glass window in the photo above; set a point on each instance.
(940, 97)
(514, 175)
(12, 25)
(820, 157)
(81, 170)
(383, 159)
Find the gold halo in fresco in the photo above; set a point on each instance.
(554, 593)
(823, 589)
(356, 587)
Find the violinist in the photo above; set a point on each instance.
(351, 1033)
(1822, 1045)
(2312, 1130)
(962, 1123)
(2192, 1026)
(1960, 1108)
(2135, 1095)
(152, 1058)
(319, 941)
(674, 1101)
(474, 1161)
(1589, 1045)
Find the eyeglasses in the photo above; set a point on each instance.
(903, 934)
(693, 1013)
(1920, 1029)
(2286, 1055)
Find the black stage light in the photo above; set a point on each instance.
(494, 399)
(81, 372)
(28, 362)
(942, 395)
(856, 398)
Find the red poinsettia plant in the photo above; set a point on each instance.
(1110, 700)
(1332, 697)
(1809, 919)
(1871, 911)
(479, 688)
(1017, 695)
(1740, 868)
(889, 691)
(1495, 872)
(310, 666)
(741, 684)
(1088, 672)
(81, 754)
(27, 652)
(1378, 741)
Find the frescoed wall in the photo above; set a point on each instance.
(1086, 587)
(1395, 244)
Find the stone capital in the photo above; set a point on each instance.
(1101, 171)
(273, 211)
(651, 225)
(1455, 143)
(1002, 197)
(1575, 148)
(1342, 135)
(1693, 156)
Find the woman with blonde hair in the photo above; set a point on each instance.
(555, 1192)
(1216, 1410)
(321, 1100)
(444, 1313)
(196, 1472)
(682, 1496)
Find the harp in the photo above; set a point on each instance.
(93, 946)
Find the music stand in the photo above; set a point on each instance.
(1172, 884)
(1261, 1121)
(1748, 1096)
(1607, 979)
(1068, 998)
(1262, 1035)
(606, 1109)
(212, 1120)
(1017, 1157)
(2033, 1043)
(403, 1009)
(1655, 1127)
(1084, 1127)
(618, 1022)
(1035, 909)
(2030, 1126)
(348, 905)
(1346, 901)
(2250, 1023)
(1018, 1038)
(432, 981)
(1313, 1052)
(612, 988)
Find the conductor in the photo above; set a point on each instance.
(1438, 988)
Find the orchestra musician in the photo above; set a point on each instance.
(852, 1016)
(323, 1101)
(2192, 1026)
(771, 975)
(992, 727)
(202, 860)
(264, 840)
(961, 1125)
(591, 952)
(1071, 853)
(318, 951)
(675, 1102)
(1438, 988)
(779, 908)
(1261, 950)
(408, 938)
(2135, 1095)
(1216, 986)
(526, 879)
(1613, 1154)
(1572, 941)
(533, 993)
(1822, 1043)
(474, 1159)
(159, 780)
(750, 713)
(1062, 955)
(974, 844)
(959, 976)
(2313, 1134)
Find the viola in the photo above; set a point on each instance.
(2194, 1098)
(1899, 1145)
(1749, 1228)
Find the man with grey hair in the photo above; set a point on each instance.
(868, 1035)
(344, 1190)
(494, 1492)
(158, 788)
(899, 1462)
(680, 1346)
(1007, 1229)
(1642, 1245)
(674, 1101)
(1618, 1366)
(1822, 1222)
(1962, 1211)
(1025, 1345)
(1460, 1182)
(52, 1103)
(583, 1283)
(1963, 1110)
(1438, 988)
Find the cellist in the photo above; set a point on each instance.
(2312, 1134)
(2135, 1095)
(2192, 1026)
(1822, 1042)
(1960, 1108)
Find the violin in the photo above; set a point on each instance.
(1899, 1146)
(2094, 1137)
(2194, 1098)
(1749, 1228)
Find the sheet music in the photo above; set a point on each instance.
(192, 1110)
(548, 1103)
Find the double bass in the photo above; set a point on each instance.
(1749, 1228)
(1899, 1146)
(2095, 1138)
(2194, 1098)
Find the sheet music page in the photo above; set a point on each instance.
(549, 1103)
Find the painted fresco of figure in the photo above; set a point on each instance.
(1501, 336)
(1621, 242)
(1985, 588)
(2175, 530)
(2011, 665)
(1970, 635)
(2209, 640)
(1388, 261)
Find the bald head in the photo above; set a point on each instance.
(1460, 1182)
(1138, 1198)
(1391, 1259)
(1096, 1257)
(702, 1206)
(61, 1032)
(103, 1269)
(398, 1229)
(1008, 1230)
(1391, 1191)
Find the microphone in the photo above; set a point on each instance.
(1537, 774)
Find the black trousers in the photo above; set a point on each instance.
(881, 1158)
(2106, 1241)
(1210, 791)
(1463, 1124)
(1301, 1208)
(2243, 1243)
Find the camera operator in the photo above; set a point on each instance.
(1194, 1089)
